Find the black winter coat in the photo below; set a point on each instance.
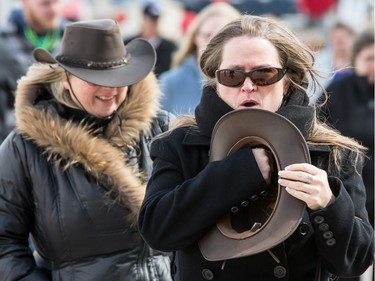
(58, 181)
(350, 109)
(187, 194)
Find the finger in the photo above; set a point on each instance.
(296, 185)
(303, 167)
(296, 193)
(303, 197)
(309, 179)
(297, 176)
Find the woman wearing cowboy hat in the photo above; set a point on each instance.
(73, 172)
(211, 210)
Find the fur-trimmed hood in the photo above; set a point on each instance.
(64, 141)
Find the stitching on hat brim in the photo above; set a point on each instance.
(143, 58)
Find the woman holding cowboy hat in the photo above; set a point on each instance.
(73, 172)
(256, 66)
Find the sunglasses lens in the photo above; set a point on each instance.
(230, 78)
(260, 77)
(266, 76)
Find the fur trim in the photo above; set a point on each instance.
(64, 140)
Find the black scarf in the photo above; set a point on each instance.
(295, 107)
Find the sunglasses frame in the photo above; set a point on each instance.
(280, 74)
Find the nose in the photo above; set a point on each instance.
(248, 84)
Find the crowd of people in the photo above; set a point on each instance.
(107, 143)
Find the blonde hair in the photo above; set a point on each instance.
(51, 76)
(299, 61)
(187, 46)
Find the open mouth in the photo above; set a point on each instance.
(104, 98)
(249, 104)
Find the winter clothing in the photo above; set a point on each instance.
(15, 64)
(77, 190)
(185, 188)
(178, 99)
(350, 109)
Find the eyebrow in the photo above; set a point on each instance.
(235, 66)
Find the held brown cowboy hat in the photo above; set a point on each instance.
(268, 220)
(94, 51)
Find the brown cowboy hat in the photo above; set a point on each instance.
(94, 51)
(266, 220)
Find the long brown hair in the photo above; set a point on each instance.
(294, 55)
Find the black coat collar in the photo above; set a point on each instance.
(210, 109)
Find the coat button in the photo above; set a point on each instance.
(279, 271)
(318, 219)
(303, 229)
(328, 234)
(254, 198)
(244, 204)
(263, 193)
(331, 242)
(207, 274)
(323, 227)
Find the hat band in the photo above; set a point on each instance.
(89, 64)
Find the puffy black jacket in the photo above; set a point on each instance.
(58, 182)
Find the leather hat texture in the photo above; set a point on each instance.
(94, 51)
(257, 227)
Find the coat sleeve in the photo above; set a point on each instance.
(179, 207)
(344, 235)
(16, 215)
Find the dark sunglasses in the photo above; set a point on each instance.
(260, 77)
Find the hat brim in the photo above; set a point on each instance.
(240, 128)
(143, 58)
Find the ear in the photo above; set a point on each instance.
(66, 84)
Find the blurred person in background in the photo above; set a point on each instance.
(150, 31)
(74, 170)
(10, 70)
(38, 23)
(182, 84)
(333, 60)
(350, 107)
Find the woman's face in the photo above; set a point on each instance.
(97, 100)
(246, 54)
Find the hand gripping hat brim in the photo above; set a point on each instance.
(251, 230)
(95, 52)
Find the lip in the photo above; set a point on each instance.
(105, 98)
(249, 104)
